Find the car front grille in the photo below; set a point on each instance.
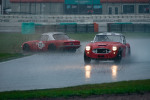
(101, 51)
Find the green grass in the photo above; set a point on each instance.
(136, 35)
(90, 36)
(82, 36)
(125, 87)
(9, 56)
(11, 43)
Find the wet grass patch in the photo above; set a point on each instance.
(11, 43)
(82, 36)
(90, 36)
(124, 87)
(136, 35)
(9, 56)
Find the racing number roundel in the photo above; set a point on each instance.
(41, 45)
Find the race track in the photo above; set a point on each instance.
(47, 70)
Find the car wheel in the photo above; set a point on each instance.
(26, 47)
(86, 59)
(129, 52)
(51, 47)
(119, 56)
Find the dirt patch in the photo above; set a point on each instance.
(139, 96)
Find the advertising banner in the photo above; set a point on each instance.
(82, 1)
(28, 28)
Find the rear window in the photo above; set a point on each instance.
(60, 36)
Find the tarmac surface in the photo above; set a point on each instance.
(46, 70)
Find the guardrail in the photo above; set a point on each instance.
(10, 21)
(56, 19)
(77, 16)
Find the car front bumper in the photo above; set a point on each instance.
(111, 55)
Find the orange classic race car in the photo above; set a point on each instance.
(107, 46)
(52, 41)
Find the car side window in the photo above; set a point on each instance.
(44, 38)
(60, 37)
(123, 40)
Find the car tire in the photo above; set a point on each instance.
(129, 52)
(87, 60)
(118, 57)
(51, 48)
(26, 47)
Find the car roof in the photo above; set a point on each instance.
(50, 34)
(109, 33)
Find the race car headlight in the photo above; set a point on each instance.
(114, 48)
(87, 48)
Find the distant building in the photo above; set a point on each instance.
(125, 6)
(56, 7)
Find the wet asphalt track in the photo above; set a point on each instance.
(46, 70)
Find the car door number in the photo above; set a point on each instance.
(41, 45)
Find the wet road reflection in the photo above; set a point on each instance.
(114, 69)
(101, 68)
(88, 69)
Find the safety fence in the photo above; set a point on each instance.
(65, 28)
(128, 27)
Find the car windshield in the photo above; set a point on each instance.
(111, 38)
(60, 37)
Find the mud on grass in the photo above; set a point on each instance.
(133, 96)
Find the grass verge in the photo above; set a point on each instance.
(11, 43)
(90, 36)
(9, 56)
(124, 87)
(83, 36)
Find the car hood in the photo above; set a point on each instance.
(104, 44)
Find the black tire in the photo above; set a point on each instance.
(118, 57)
(51, 48)
(129, 52)
(87, 60)
(26, 47)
